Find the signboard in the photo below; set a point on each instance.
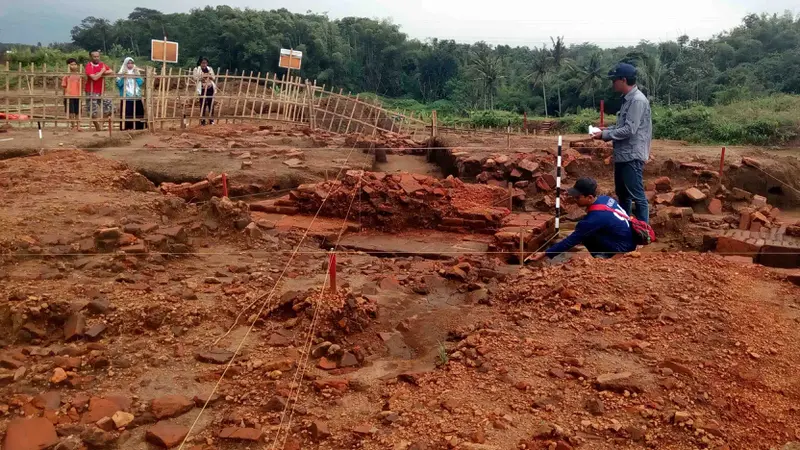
(163, 53)
(290, 59)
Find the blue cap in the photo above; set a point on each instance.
(622, 70)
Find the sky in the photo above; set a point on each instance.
(511, 22)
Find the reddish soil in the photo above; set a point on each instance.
(113, 347)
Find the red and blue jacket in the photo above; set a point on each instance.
(603, 233)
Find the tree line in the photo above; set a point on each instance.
(759, 57)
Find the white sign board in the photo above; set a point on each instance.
(290, 59)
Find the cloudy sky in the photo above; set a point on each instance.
(513, 22)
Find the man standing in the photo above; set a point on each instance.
(631, 137)
(95, 87)
(605, 231)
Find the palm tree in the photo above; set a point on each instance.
(542, 65)
(486, 65)
(591, 75)
(559, 59)
(653, 74)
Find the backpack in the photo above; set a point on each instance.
(643, 233)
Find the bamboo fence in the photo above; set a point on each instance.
(33, 96)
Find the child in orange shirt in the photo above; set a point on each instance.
(72, 91)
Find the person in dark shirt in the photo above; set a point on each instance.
(603, 232)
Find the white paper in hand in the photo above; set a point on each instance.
(593, 130)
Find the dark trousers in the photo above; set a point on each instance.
(629, 184)
(207, 105)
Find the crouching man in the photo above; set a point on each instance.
(605, 231)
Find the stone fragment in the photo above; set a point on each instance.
(166, 435)
(215, 356)
(170, 406)
(241, 434)
(30, 434)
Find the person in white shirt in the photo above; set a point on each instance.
(206, 87)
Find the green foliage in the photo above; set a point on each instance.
(579, 123)
(442, 357)
(767, 120)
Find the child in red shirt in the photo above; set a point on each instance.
(72, 92)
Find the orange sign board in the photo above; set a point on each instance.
(163, 51)
(290, 59)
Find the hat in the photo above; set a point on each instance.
(622, 70)
(584, 186)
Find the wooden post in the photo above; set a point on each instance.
(434, 125)
(521, 247)
(510, 197)
(508, 135)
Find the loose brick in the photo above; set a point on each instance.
(744, 221)
(759, 201)
(736, 247)
(715, 206)
(694, 194)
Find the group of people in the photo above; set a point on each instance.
(129, 82)
(614, 227)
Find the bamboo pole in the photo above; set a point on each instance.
(8, 90)
(238, 95)
(352, 113)
(187, 80)
(19, 90)
(336, 110)
(377, 120)
(272, 95)
(264, 96)
(290, 99)
(178, 94)
(256, 96)
(322, 99)
(312, 111)
(44, 88)
(224, 89)
(80, 109)
(167, 89)
(241, 82)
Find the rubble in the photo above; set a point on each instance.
(397, 201)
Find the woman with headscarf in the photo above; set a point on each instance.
(204, 77)
(130, 89)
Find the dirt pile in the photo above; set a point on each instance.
(584, 357)
(397, 201)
